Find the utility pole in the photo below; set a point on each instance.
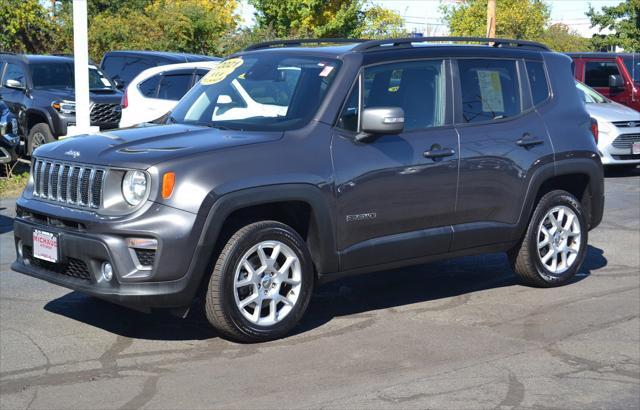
(491, 18)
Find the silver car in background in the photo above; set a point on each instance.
(618, 133)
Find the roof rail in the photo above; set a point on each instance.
(406, 42)
(299, 42)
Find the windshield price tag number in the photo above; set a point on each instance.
(221, 71)
(45, 246)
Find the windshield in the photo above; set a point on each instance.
(589, 95)
(633, 66)
(269, 92)
(60, 75)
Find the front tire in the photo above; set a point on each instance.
(554, 246)
(261, 284)
(39, 134)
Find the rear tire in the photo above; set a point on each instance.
(39, 134)
(261, 284)
(555, 243)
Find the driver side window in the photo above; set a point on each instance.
(415, 86)
(348, 120)
(14, 72)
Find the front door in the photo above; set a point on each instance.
(395, 199)
(596, 76)
(13, 97)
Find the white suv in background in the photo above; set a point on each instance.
(155, 91)
(618, 128)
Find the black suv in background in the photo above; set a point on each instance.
(289, 165)
(40, 91)
(123, 66)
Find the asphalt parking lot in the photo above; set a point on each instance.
(455, 334)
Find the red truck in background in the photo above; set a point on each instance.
(615, 75)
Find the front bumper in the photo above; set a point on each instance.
(612, 155)
(61, 122)
(85, 241)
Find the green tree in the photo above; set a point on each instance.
(380, 22)
(195, 26)
(309, 18)
(26, 27)
(520, 19)
(327, 18)
(560, 37)
(623, 21)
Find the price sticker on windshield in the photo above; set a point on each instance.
(221, 71)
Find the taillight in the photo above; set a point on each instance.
(125, 100)
(594, 129)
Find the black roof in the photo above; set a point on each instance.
(341, 45)
(177, 57)
(38, 58)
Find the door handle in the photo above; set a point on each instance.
(528, 141)
(437, 152)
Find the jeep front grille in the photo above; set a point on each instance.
(626, 124)
(105, 113)
(626, 140)
(69, 183)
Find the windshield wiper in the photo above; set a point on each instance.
(212, 125)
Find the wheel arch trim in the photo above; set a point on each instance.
(586, 165)
(216, 209)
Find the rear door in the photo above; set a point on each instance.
(393, 203)
(502, 141)
(172, 86)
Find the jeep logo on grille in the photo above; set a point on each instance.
(72, 153)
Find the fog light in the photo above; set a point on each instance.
(20, 249)
(107, 271)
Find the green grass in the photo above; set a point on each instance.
(12, 187)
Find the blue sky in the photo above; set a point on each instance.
(424, 15)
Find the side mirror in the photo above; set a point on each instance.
(381, 121)
(615, 81)
(224, 99)
(16, 84)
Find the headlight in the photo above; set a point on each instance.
(134, 187)
(605, 127)
(65, 106)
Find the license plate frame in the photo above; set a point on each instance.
(46, 246)
(635, 148)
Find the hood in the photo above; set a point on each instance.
(102, 96)
(144, 146)
(612, 112)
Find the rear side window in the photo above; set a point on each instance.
(537, 81)
(596, 73)
(149, 87)
(199, 74)
(490, 89)
(174, 87)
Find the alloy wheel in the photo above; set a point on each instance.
(267, 282)
(558, 240)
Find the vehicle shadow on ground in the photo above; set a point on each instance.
(349, 296)
(621, 172)
(6, 223)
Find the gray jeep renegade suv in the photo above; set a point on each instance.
(291, 164)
